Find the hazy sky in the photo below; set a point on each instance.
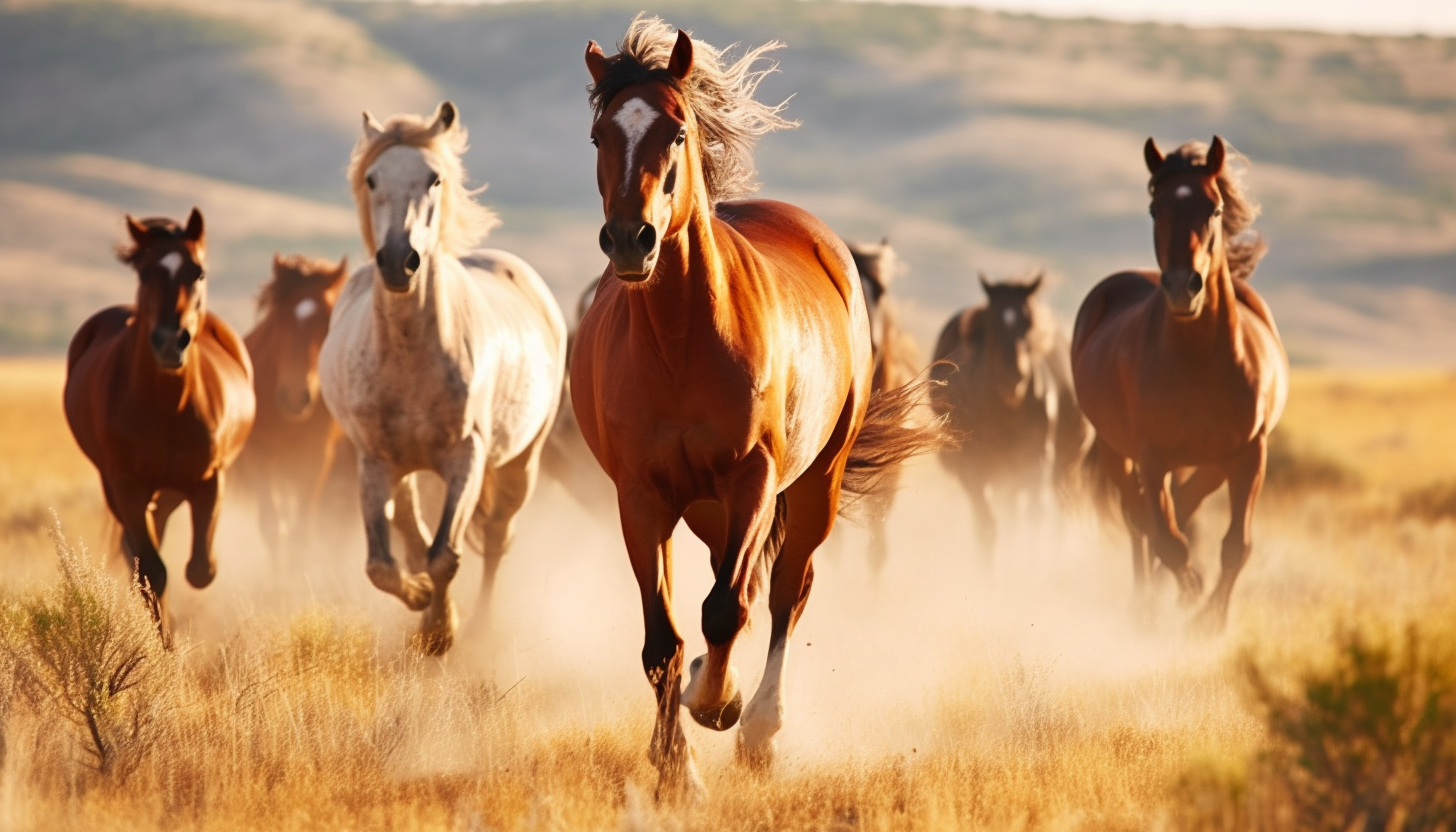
(1432, 17)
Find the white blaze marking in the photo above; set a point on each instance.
(1009, 316)
(1183, 192)
(305, 309)
(634, 118)
(171, 262)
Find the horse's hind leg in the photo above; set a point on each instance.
(376, 487)
(1245, 478)
(463, 469)
(505, 493)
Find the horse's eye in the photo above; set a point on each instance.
(682, 136)
(369, 180)
(1218, 212)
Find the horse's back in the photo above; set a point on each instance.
(795, 240)
(501, 272)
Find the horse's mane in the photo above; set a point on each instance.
(159, 228)
(1243, 246)
(718, 98)
(294, 278)
(463, 221)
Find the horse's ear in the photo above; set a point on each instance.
(681, 62)
(137, 231)
(194, 226)
(596, 62)
(1035, 284)
(985, 282)
(343, 270)
(885, 241)
(1152, 155)
(372, 127)
(445, 119)
(1217, 154)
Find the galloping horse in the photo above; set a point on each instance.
(1182, 371)
(160, 398)
(1008, 389)
(896, 362)
(291, 452)
(722, 375)
(438, 359)
(566, 458)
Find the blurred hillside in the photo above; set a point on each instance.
(974, 139)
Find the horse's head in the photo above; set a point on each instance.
(877, 266)
(648, 168)
(300, 299)
(171, 301)
(1187, 208)
(407, 181)
(1010, 320)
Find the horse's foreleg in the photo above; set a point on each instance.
(647, 532)
(408, 520)
(376, 487)
(981, 515)
(131, 504)
(509, 487)
(1245, 478)
(747, 496)
(1189, 494)
(463, 470)
(202, 566)
(1168, 542)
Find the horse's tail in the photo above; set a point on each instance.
(1098, 485)
(892, 432)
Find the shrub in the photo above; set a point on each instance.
(87, 651)
(1368, 742)
(1432, 503)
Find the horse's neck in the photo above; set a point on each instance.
(1215, 331)
(689, 288)
(157, 386)
(403, 317)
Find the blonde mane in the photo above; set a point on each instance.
(718, 98)
(463, 221)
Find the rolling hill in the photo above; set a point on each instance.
(975, 140)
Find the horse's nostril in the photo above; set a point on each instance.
(646, 238)
(379, 258)
(412, 263)
(1195, 283)
(183, 339)
(604, 239)
(159, 339)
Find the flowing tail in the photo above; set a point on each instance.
(892, 432)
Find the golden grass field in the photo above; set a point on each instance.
(928, 697)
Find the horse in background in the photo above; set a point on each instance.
(159, 396)
(294, 448)
(721, 375)
(1182, 371)
(566, 458)
(1007, 388)
(897, 361)
(440, 358)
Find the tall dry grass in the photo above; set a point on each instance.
(934, 697)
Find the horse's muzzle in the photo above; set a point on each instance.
(397, 266)
(1183, 289)
(632, 248)
(169, 346)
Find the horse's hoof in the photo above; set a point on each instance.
(756, 757)
(722, 717)
(1190, 586)
(1210, 622)
(414, 590)
(200, 572)
(437, 631)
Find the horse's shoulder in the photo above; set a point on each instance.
(1116, 291)
(227, 338)
(1251, 299)
(105, 323)
(504, 269)
(770, 223)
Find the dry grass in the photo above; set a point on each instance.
(934, 697)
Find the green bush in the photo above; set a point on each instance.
(87, 651)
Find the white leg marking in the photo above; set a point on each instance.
(764, 716)
(171, 262)
(305, 309)
(634, 118)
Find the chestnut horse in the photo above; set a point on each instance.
(722, 375)
(1182, 372)
(160, 398)
(441, 357)
(293, 447)
(896, 362)
(1008, 389)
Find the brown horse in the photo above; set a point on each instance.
(896, 359)
(292, 450)
(566, 458)
(1008, 389)
(1182, 371)
(722, 375)
(160, 397)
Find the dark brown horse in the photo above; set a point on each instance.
(1008, 390)
(295, 442)
(896, 359)
(160, 397)
(1182, 371)
(722, 375)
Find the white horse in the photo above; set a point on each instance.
(438, 359)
